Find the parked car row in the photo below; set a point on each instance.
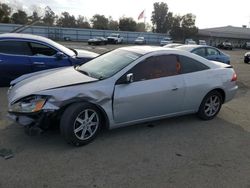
(114, 38)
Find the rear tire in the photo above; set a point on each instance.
(210, 105)
(80, 123)
(246, 60)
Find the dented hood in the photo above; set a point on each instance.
(35, 82)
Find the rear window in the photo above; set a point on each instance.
(189, 65)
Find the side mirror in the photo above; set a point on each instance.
(130, 78)
(59, 55)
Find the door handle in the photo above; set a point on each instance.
(38, 63)
(1, 61)
(174, 89)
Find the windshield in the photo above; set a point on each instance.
(108, 64)
(62, 48)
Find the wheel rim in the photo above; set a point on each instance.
(86, 124)
(212, 105)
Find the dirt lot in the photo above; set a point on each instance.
(176, 152)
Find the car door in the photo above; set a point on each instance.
(157, 90)
(45, 57)
(14, 60)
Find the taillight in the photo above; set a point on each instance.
(234, 78)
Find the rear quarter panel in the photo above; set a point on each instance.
(198, 84)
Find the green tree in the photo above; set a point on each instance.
(34, 16)
(49, 17)
(19, 17)
(5, 12)
(66, 20)
(188, 26)
(113, 25)
(127, 24)
(99, 22)
(159, 17)
(140, 27)
(82, 22)
(176, 29)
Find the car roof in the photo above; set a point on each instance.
(23, 36)
(143, 49)
(190, 47)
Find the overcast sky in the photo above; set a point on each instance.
(209, 13)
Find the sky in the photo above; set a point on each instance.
(209, 13)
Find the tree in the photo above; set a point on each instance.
(176, 29)
(113, 25)
(159, 17)
(5, 12)
(66, 20)
(34, 16)
(183, 27)
(49, 17)
(188, 25)
(99, 22)
(140, 27)
(19, 17)
(127, 24)
(82, 22)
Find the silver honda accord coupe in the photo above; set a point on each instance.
(126, 86)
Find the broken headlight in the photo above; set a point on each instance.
(29, 104)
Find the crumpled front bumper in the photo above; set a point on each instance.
(40, 119)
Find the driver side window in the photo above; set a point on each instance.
(155, 67)
(41, 50)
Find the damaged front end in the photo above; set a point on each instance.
(35, 112)
(39, 111)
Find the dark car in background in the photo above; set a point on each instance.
(98, 41)
(246, 45)
(24, 53)
(247, 57)
(225, 45)
(207, 52)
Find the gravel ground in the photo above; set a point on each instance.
(176, 152)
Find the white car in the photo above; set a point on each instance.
(202, 42)
(115, 38)
(165, 41)
(126, 86)
(140, 40)
(189, 41)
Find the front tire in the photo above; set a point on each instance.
(210, 105)
(80, 123)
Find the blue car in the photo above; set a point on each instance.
(24, 53)
(207, 52)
